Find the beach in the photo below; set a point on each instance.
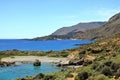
(32, 59)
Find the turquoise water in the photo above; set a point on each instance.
(9, 44)
(12, 72)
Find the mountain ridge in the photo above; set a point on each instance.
(111, 27)
(78, 27)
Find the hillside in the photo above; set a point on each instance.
(70, 32)
(110, 28)
(78, 27)
(97, 61)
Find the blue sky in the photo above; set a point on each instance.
(33, 18)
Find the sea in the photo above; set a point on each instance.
(22, 70)
(41, 45)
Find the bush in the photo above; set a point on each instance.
(114, 66)
(69, 75)
(95, 66)
(100, 77)
(106, 71)
(86, 63)
(64, 55)
(49, 77)
(82, 76)
(108, 63)
(117, 74)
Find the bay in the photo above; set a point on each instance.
(46, 45)
(12, 72)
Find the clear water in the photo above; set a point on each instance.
(12, 72)
(7, 44)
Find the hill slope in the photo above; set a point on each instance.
(68, 32)
(110, 28)
(78, 27)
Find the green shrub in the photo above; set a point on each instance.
(69, 75)
(49, 77)
(108, 63)
(106, 71)
(82, 76)
(114, 66)
(117, 74)
(64, 55)
(95, 66)
(100, 77)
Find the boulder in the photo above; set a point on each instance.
(76, 62)
(37, 63)
(96, 50)
(39, 76)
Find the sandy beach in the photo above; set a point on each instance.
(32, 59)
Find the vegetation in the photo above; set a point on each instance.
(12, 53)
(102, 58)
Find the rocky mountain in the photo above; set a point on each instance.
(110, 28)
(105, 30)
(68, 32)
(77, 27)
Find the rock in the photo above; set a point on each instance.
(6, 64)
(76, 62)
(39, 76)
(63, 63)
(37, 63)
(82, 52)
(96, 50)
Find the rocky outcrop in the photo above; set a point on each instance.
(39, 76)
(37, 63)
(6, 64)
(84, 60)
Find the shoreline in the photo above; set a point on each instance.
(33, 58)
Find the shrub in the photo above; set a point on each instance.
(100, 67)
(114, 66)
(106, 71)
(108, 63)
(69, 75)
(49, 77)
(82, 76)
(87, 63)
(117, 74)
(95, 66)
(100, 77)
(64, 55)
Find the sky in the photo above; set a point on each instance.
(34, 18)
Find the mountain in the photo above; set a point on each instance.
(107, 29)
(68, 32)
(110, 28)
(77, 27)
